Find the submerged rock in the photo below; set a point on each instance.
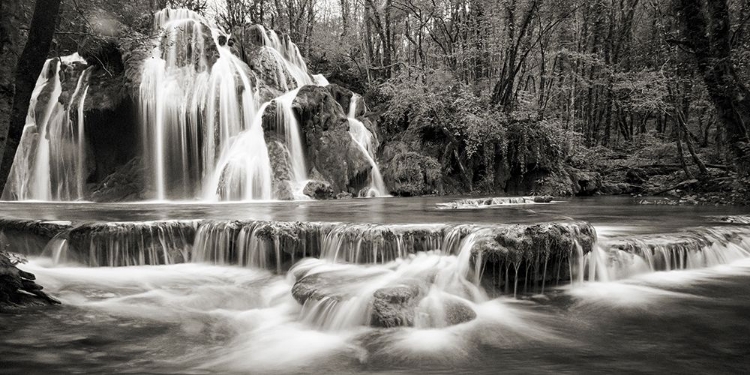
(395, 306)
(457, 311)
(318, 190)
(543, 199)
(344, 195)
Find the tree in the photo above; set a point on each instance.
(31, 62)
(706, 25)
(9, 40)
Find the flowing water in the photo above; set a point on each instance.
(50, 161)
(200, 119)
(293, 287)
(364, 138)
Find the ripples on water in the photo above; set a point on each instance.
(198, 318)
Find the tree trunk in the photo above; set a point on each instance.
(683, 163)
(32, 59)
(345, 11)
(708, 32)
(10, 14)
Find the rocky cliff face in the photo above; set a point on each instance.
(330, 153)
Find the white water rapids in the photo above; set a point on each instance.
(665, 295)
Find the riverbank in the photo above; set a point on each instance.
(18, 288)
(649, 168)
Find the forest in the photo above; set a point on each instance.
(538, 97)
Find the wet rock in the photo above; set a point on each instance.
(585, 182)
(124, 185)
(282, 190)
(691, 248)
(132, 243)
(543, 199)
(318, 190)
(309, 287)
(343, 96)
(281, 168)
(273, 74)
(344, 195)
(29, 237)
(329, 149)
(17, 287)
(534, 250)
(248, 45)
(457, 312)
(395, 306)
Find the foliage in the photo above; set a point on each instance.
(433, 105)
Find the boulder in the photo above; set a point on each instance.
(127, 183)
(585, 182)
(17, 287)
(318, 190)
(310, 287)
(457, 311)
(535, 250)
(543, 199)
(343, 96)
(395, 306)
(344, 195)
(330, 152)
(274, 74)
(282, 170)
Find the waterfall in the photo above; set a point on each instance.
(288, 58)
(365, 141)
(287, 124)
(199, 120)
(243, 171)
(50, 161)
(203, 119)
(699, 248)
(192, 107)
(427, 290)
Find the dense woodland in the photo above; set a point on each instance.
(610, 91)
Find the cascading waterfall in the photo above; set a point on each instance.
(50, 161)
(427, 276)
(200, 115)
(288, 59)
(192, 107)
(243, 171)
(700, 248)
(286, 123)
(365, 140)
